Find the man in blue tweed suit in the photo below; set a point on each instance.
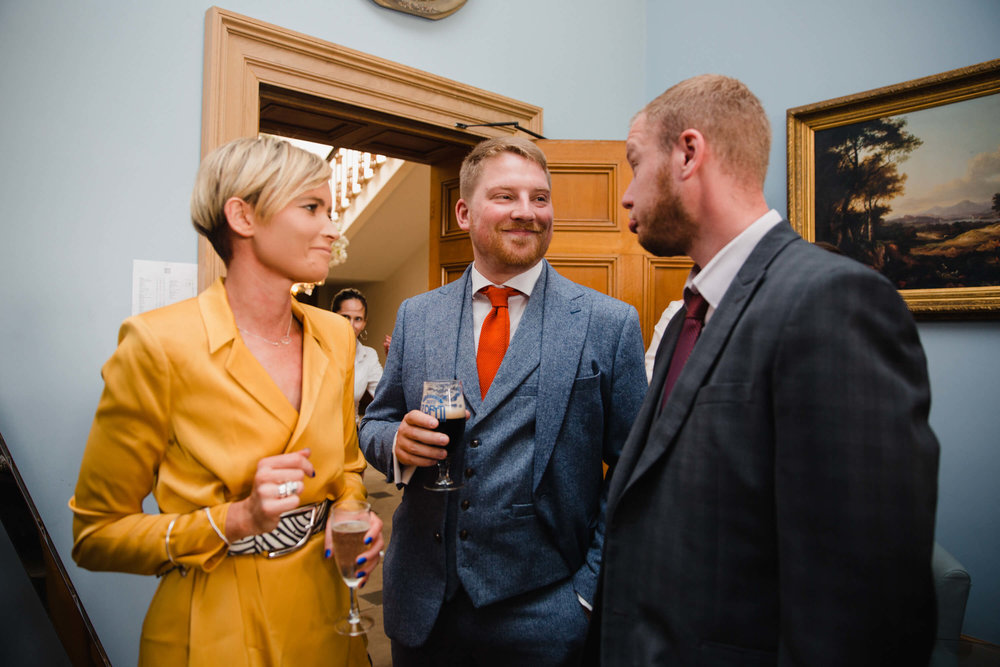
(503, 571)
(776, 506)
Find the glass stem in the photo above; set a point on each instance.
(354, 616)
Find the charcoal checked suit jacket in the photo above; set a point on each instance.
(779, 510)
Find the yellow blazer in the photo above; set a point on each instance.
(187, 412)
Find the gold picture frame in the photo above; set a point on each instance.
(943, 264)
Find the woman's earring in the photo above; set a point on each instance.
(363, 336)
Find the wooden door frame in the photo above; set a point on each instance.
(242, 53)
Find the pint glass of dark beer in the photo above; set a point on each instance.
(444, 400)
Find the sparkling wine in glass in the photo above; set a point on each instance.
(444, 400)
(351, 520)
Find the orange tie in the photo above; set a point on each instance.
(494, 336)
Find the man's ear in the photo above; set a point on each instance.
(239, 216)
(690, 149)
(462, 213)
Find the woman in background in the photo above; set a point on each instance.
(235, 409)
(351, 303)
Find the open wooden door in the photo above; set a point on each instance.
(450, 248)
(591, 244)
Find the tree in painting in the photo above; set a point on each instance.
(857, 174)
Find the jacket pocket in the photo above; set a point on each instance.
(586, 382)
(522, 510)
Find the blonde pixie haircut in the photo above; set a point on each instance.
(472, 165)
(265, 172)
(727, 114)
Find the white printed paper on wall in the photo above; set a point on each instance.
(156, 284)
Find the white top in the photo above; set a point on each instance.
(367, 372)
(658, 330)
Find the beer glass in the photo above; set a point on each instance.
(351, 520)
(443, 399)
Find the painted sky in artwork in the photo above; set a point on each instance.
(959, 159)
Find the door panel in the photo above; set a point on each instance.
(591, 243)
(450, 248)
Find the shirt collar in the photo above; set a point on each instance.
(714, 278)
(522, 282)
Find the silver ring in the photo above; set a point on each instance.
(381, 554)
(286, 489)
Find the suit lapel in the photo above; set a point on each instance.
(441, 338)
(566, 314)
(315, 360)
(467, 371)
(663, 429)
(634, 445)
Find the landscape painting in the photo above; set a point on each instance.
(915, 194)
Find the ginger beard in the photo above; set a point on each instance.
(666, 229)
(513, 250)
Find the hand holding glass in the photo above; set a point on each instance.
(351, 520)
(444, 400)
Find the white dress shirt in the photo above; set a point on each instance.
(712, 280)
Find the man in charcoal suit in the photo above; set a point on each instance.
(774, 503)
(502, 572)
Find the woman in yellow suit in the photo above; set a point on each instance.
(236, 410)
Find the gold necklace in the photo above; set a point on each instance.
(284, 340)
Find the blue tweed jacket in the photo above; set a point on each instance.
(562, 401)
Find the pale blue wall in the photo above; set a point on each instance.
(101, 127)
(793, 53)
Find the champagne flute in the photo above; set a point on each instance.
(351, 520)
(444, 400)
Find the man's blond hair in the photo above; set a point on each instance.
(727, 114)
(472, 165)
(265, 172)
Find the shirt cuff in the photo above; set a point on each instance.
(586, 605)
(400, 473)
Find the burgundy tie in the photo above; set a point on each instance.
(694, 320)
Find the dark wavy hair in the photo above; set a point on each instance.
(347, 294)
